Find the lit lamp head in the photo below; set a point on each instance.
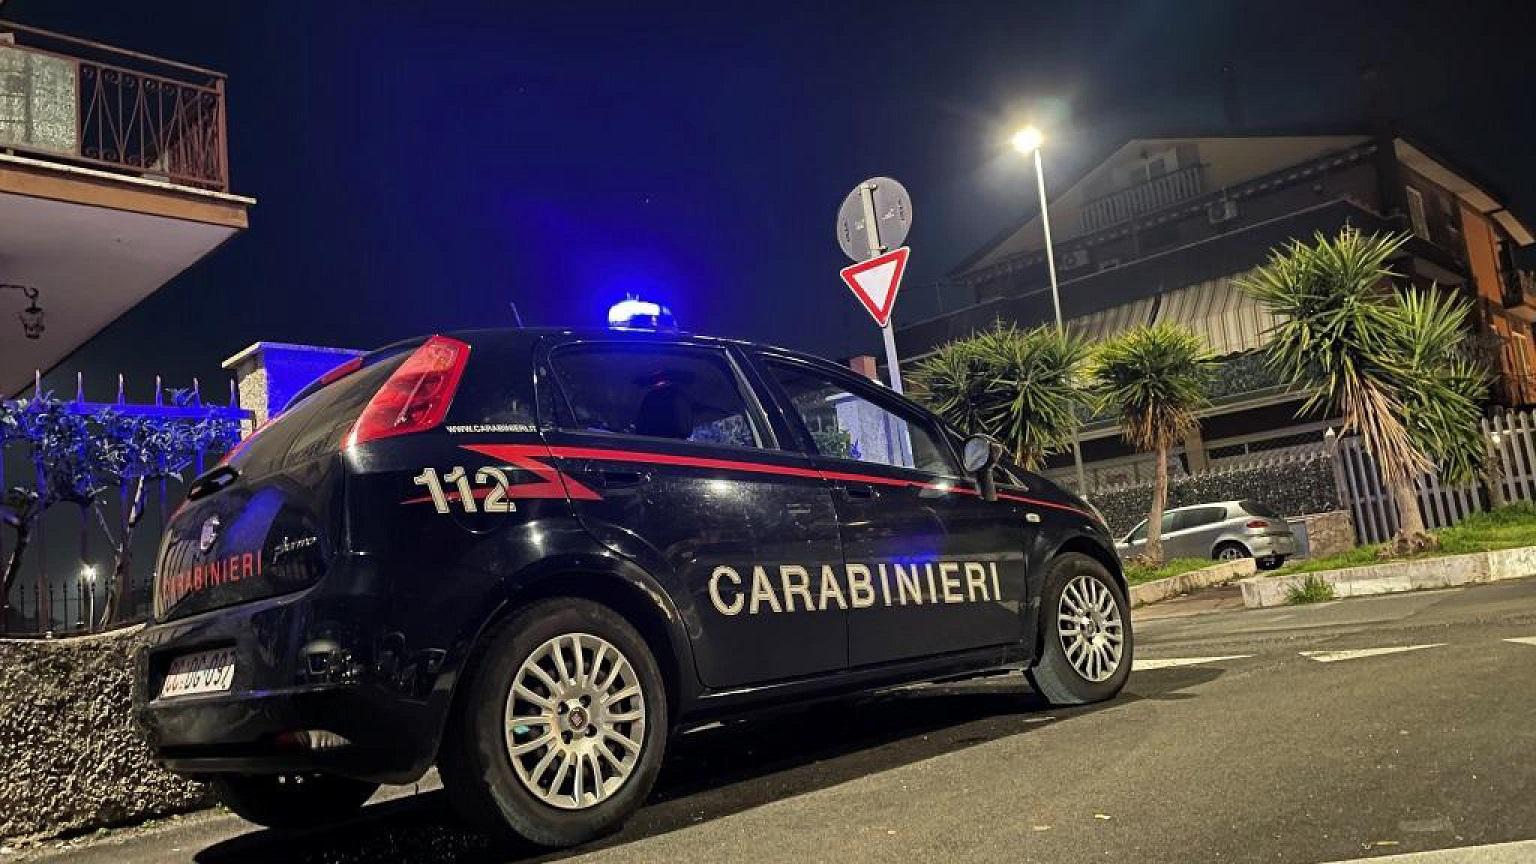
(1027, 140)
(632, 313)
(88, 573)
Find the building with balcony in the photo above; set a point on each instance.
(1160, 230)
(114, 178)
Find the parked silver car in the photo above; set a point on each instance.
(1227, 530)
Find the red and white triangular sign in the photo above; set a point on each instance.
(875, 282)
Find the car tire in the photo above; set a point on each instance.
(1230, 546)
(1063, 674)
(534, 794)
(289, 801)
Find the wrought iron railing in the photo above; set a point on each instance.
(1154, 194)
(83, 102)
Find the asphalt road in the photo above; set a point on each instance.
(1305, 742)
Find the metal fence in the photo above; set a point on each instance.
(1509, 476)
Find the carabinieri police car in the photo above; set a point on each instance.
(529, 556)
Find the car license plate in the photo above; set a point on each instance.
(204, 672)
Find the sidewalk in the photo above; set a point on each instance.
(1218, 598)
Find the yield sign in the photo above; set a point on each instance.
(875, 282)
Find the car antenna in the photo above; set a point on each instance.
(516, 316)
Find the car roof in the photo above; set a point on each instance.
(531, 334)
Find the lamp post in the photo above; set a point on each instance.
(1028, 140)
(88, 573)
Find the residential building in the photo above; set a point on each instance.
(114, 178)
(1160, 230)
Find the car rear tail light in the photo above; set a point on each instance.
(417, 395)
(1258, 523)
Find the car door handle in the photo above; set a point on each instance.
(859, 490)
(618, 479)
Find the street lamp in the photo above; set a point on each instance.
(88, 573)
(1029, 140)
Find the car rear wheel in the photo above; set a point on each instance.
(563, 727)
(1230, 551)
(292, 800)
(1086, 633)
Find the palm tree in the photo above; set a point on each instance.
(1023, 387)
(1387, 360)
(1154, 378)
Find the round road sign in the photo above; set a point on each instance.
(893, 218)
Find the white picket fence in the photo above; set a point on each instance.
(1511, 441)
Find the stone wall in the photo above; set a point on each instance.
(71, 759)
(1328, 533)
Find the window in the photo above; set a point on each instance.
(845, 425)
(1194, 517)
(1258, 508)
(1138, 534)
(676, 392)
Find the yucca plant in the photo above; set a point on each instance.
(1154, 379)
(1388, 360)
(1021, 386)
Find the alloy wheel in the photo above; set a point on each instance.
(1092, 632)
(575, 721)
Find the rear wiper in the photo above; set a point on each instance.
(212, 481)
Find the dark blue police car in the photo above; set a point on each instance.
(528, 556)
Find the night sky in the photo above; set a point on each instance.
(419, 166)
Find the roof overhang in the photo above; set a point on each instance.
(93, 245)
(1473, 195)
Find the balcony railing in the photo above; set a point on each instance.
(1155, 194)
(82, 102)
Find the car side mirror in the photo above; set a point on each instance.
(980, 455)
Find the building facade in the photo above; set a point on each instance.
(1160, 231)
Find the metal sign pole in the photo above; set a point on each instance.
(872, 233)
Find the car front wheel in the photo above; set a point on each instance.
(1086, 633)
(563, 728)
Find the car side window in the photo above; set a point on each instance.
(677, 392)
(1139, 534)
(1198, 517)
(846, 424)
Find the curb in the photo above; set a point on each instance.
(1393, 577)
(1216, 574)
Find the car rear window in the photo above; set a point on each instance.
(1259, 508)
(315, 425)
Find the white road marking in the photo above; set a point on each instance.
(1175, 662)
(1523, 640)
(1495, 853)
(1335, 656)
